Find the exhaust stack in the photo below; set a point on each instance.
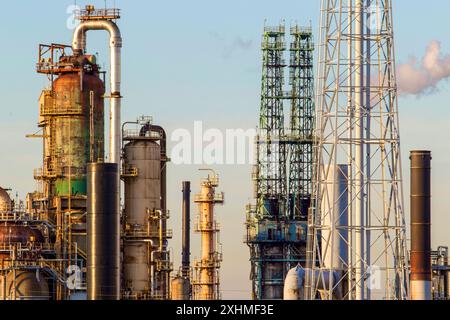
(103, 232)
(186, 245)
(420, 225)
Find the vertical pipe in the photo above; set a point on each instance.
(91, 127)
(420, 225)
(368, 136)
(186, 251)
(359, 151)
(115, 44)
(103, 232)
(350, 153)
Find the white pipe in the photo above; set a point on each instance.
(350, 154)
(359, 151)
(79, 43)
(368, 137)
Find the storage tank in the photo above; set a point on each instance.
(142, 197)
(181, 288)
(17, 233)
(5, 201)
(72, 128)
(25, 285)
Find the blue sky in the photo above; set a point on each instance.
(200, 60)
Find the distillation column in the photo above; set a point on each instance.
(206, 284)
(146, 259)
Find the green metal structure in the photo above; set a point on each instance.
(277, 224)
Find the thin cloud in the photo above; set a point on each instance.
(230, 48)
(419, 78)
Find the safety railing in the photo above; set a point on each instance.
(278, 29)
(135, 133)
(129, 172)
(301, 30)
(131, 234)
(16, 215)
(205, 226)
(90, 13)
(216, 198)
(55, 110)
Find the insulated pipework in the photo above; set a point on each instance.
(79, 44)
(421, 271)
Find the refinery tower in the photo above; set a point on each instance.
(72, 239)
(277, 223)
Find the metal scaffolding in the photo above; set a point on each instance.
(301, 122)
(358, 127)
(276, 225)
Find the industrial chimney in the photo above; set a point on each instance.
(186, 245)
(181, 284)
(103, 232)
(420, 225)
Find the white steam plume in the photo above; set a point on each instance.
(421, 78)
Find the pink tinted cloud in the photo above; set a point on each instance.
(418, 78)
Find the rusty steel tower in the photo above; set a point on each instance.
(358, 146)
(276, 225)
(206, 284)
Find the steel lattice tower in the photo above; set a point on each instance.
(276, 226)
(301, 122)
(357, 249)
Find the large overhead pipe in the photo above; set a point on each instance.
(421, 272)
(79, 44)
(103, 232)
(186, 244)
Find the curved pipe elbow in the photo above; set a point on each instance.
(79, 35)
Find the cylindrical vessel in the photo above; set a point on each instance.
(208, 271)
(181, 288)
(421, 271)
(207, 282)
(18, 234)
(25, 285)
(186, 243)
(103, 232)
(142, 196)
(335, 217)
(71, 125)
(447, 284)
(5, 201)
